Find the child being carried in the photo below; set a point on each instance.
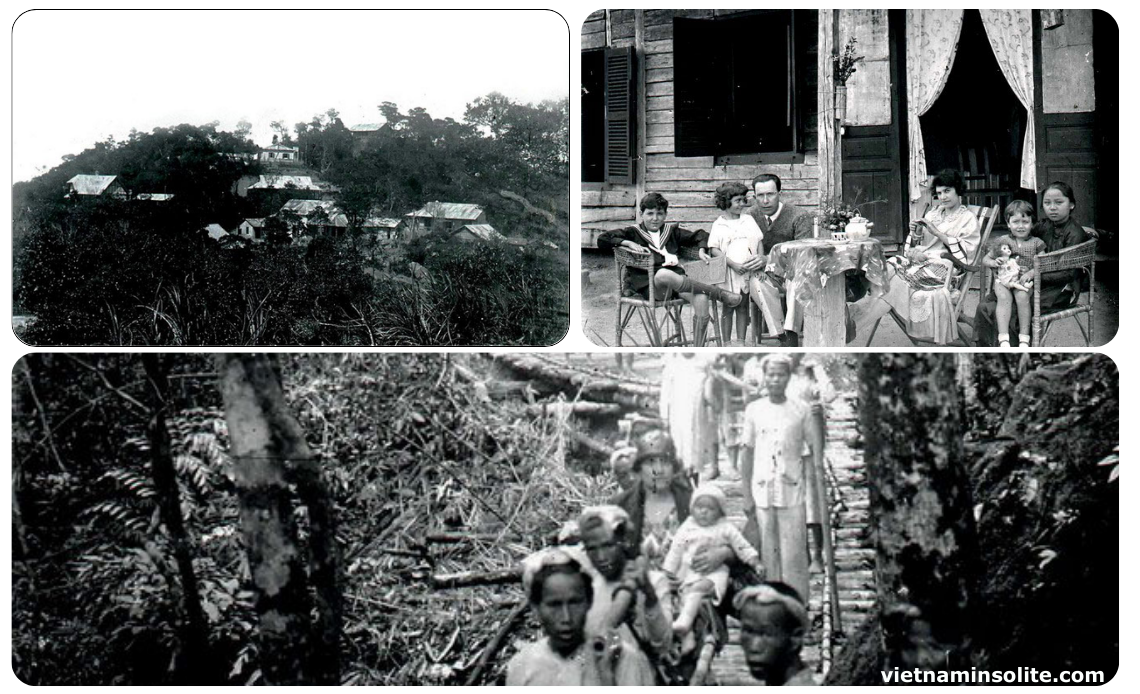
(705, 526)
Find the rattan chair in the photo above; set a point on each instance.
(959, 278)
(668, 331)
(1079, 257)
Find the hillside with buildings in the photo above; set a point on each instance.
(328, 235)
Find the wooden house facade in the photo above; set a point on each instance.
(679, 101)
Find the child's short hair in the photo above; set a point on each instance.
(1062, 188)
(1020, 207)
(654, 201)
(725, 192)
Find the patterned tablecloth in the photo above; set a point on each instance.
(811, 263)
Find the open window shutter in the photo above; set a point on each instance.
(698, 89)
(620, 115)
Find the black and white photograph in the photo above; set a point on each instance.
(861, 178)
(640, 518)
(290, 178)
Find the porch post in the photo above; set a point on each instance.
(640, 126)
(830, 148)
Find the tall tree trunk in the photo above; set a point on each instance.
(195, 635)
(921, 510)
(270, 452)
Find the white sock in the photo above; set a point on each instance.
(1003, 337)
(1023, 339)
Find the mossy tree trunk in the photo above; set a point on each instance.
(299, 630)
(921, 509)
(196, 660)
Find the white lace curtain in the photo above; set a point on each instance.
(931, 44)
(1011, 37)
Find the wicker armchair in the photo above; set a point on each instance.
(669, 332)
(1079, 257)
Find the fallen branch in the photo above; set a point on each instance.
(592, 444)
(463, 579)
(580, 408)
(496, 643)
(457, 538)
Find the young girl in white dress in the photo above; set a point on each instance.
(739, 237)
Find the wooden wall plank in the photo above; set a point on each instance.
(608, 198)
(605, 214)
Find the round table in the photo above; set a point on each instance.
(812, 271)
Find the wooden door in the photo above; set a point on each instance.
(1069, 145)
(873, 155)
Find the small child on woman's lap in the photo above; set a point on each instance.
(739, 237)
(705, 526)
(1012, 258)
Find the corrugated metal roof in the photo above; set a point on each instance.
(88, 184)
(154, 197)
(483, 231)
(382, 222)
(448, 210)
(255, 222)
(305, 208)
(365, 128)
(273, 182)
(216, 231)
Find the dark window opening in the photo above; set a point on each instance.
(593, 108)
(608, 119)
(739, 84)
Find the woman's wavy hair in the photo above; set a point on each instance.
(949, 178)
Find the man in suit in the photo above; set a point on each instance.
(780, 221)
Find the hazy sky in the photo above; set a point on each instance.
(79, 76)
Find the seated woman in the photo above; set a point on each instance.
(561, 594)
(1058, 289)
(916, 285)
(657, 500)
(664, 241)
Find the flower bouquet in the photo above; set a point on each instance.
(835, 216)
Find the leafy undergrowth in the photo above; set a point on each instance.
(428, 477)
(1048, 523)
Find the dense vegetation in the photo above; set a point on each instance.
(405, 451)
(119, 272)
(432, 473)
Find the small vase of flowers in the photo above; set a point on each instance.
(843, 221)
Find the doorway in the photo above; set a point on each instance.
(977, 125)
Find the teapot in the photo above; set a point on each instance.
(858, 228)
